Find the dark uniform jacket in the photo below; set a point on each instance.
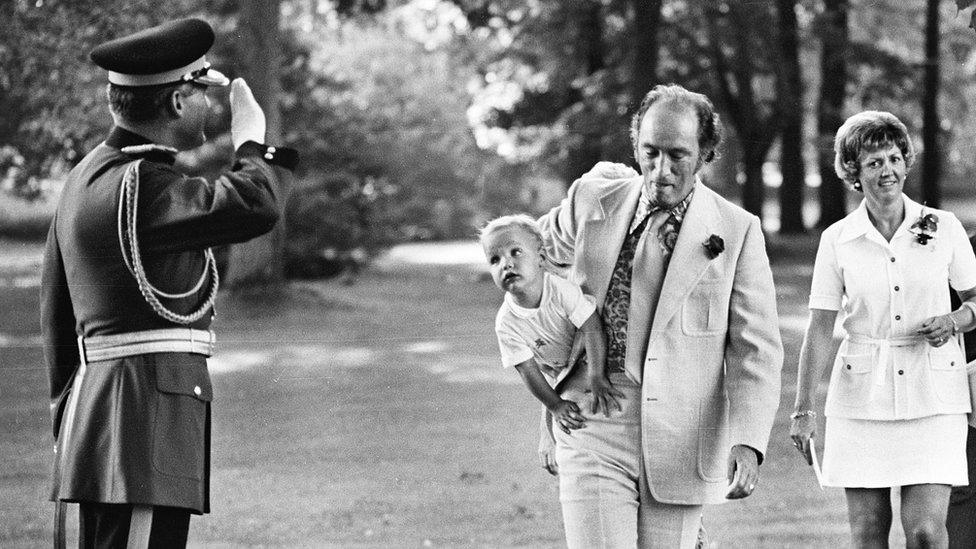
(141, 430)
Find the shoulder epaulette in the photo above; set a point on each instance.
(148, 148)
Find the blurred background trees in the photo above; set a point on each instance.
(419, 119)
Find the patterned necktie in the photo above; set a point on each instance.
(667, 234)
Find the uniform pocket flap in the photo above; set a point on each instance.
(179, 375)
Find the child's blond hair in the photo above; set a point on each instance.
(526, 223)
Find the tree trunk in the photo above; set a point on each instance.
(830, 109)
(931, 152)
(754, 189)
(647, 20)
(754, 118)
(261, 260)
(791, 135)
(590, 149)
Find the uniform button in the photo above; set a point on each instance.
(268, 156)
(892, 260)
(953, 363)
(897, 317)
(272, 150)
(197, 391)
(901, 372)
(848, 366)
(896, 288)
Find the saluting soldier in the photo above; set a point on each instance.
(128, 288)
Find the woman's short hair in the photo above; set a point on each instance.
(864, 132)
(709, 125)
(518, 221)
(142, 103)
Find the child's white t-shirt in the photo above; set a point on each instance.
(544, 333)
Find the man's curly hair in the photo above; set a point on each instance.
(709, 125)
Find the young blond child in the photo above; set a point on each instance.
(539, 318)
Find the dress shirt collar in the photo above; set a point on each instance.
(645, 208)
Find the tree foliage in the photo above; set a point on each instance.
(964, 5)
(555, 79)
(420, 118)
(387, 152)
(378, 114)
(51, 97)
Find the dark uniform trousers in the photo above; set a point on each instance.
(106, 525)
(961, 520)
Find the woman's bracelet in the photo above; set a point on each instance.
(803, 413)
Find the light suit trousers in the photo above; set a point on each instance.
(604, 497)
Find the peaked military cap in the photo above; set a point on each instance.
(170, 53)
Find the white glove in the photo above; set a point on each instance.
(246, 117)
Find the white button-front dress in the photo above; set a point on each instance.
(896, 406)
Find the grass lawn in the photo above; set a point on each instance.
(27, 219)
(377, 415)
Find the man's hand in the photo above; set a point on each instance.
(604, 395)
(247, 121)
(743, 472)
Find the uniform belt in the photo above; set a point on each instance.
(166, 340)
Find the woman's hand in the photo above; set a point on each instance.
(802, 430)
(604, 394)
(937, 330)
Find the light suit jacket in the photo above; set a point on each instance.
(711, 352)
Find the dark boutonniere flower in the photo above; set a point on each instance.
(924, 227)
(714, 246)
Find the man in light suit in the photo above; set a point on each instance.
(686, 295)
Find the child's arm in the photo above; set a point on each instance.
(565, 413)
(595, 341)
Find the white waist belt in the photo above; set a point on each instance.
(167, 340)
(884, 352)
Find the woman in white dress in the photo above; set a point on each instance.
(898, 395)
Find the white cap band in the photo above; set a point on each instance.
(173, 76)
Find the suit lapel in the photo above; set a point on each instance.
(689, 259)
(606, 235)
